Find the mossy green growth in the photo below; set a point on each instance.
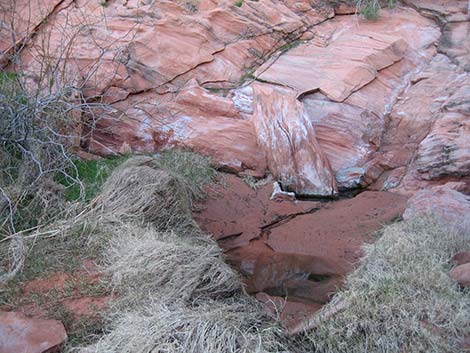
(7, 77)
(92, 174)
(238, 3)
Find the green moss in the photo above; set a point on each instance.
(92, 175)
(238, 3)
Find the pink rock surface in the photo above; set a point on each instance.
(461, 274)
(20, 18)
(298, 249)
(427, 131)
(288, 138)
(455, 42)
(235, 214)
(27, 335)
(461, 258)
(337, 70)
(442, 201)
(375, 105)
(442, 10)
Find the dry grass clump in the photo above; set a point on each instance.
(139, 191)
(192, 169)
(401, 298)
(145, 264)
(174, 292)
(233, 325)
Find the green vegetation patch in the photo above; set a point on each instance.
(92, 174)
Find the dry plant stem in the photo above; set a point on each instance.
(42, 117)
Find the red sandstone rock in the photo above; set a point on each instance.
(336, 232)
(443, 11)
(21, 334)
(235, 213)
(21, 18)
(461, 274)
(351, 53)
(429, 116)
(298, 249)
(443, 201)
(288, 137)
(155, 57)
(461, 257)
(455, 43)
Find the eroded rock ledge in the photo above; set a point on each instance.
(341, 102)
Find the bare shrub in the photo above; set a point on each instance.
(401, 298)
(46, 101)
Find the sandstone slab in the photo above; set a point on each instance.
(21, 334)
(444, 201)
(234, 213)
(344, 66)
(295, 249)
(288, 137)
(461, 274)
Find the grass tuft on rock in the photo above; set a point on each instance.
(174, 291)
(401, 298)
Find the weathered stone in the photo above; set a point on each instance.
(442, 201)
(461, 258)
(235, 214)
(280, 195)
(446, 150)
(428, 121)
(288, 138)
(21, 334)
(455, 43)
(345, 65)
(461, 274)
(443, 11)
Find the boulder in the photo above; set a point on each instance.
(461, 258)
(443, 201)
(287, 136)
(22, 334)
(461, 274)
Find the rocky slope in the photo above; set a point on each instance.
(313, 94)
(321, 99)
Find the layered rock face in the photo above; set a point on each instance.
(322, 102)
